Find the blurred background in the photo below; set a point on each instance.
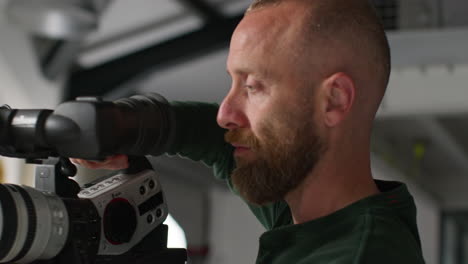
(56, 50)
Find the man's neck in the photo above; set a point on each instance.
(332, 185)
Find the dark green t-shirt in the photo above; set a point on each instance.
(378, 229)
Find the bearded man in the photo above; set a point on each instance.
(307, 79)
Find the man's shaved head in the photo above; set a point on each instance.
(344, 36)
(307, 79)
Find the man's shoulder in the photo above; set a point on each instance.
(388, 239)
(373, 237)
(382, 237)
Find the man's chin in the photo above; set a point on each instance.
(251, 185)
(245, 160)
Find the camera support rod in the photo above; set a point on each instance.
(51, 175)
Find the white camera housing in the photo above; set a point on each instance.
(130, 207)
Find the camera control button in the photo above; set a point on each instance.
(159, 213)
(151, 184)
(60, 214)
(149, 219)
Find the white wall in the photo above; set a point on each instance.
(12, 94)
(21, 85)
(21, 82)
(234, 230)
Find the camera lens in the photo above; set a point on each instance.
(33, 225)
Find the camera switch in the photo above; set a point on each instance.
(151, 184)
(142, 190)
(150, 219)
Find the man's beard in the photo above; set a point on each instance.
(282, 159)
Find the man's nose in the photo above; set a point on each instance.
(231, 114)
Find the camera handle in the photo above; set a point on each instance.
(51, 175)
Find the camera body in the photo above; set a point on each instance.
(106, 219)
(130, 206)
(115, 220)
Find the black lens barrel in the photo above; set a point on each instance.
(10, 222)
(32, 222)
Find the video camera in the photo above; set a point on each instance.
(117, 219)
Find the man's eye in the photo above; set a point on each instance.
(250, 88)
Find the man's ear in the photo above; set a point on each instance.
(339, 92)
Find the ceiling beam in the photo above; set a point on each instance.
(58, 58)
(102, 79)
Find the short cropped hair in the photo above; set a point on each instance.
(355, 21)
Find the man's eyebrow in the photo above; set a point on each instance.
(246, 71)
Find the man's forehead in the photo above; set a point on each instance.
(254, 28)
(265, 28)
(263, 39)
(269, 20)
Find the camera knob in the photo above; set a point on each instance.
(120, 221)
